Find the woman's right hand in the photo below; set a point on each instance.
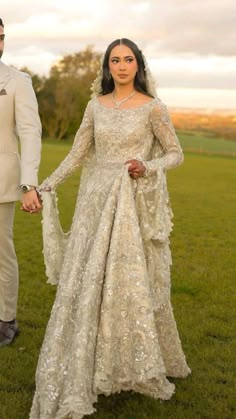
(136, 168)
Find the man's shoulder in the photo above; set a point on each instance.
(18, 73)
(13, 72)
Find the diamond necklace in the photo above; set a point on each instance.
(119, 102)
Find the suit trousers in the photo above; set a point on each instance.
(9, 277)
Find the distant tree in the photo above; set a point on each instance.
(65, 93)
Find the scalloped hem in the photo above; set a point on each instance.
(157, 388)
(70, 410)
(75, 412)
(179, 374)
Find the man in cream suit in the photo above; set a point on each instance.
(18, 178)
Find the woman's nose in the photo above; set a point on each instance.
(122, 65)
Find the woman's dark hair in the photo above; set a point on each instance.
(1, 23)
(140, 82)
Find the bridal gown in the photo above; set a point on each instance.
(112, 326)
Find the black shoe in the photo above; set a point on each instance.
(8, 332)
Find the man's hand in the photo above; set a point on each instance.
(30, 202)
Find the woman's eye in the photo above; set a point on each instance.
(114, 61)
(129, 60)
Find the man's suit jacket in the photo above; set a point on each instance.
(18, 119)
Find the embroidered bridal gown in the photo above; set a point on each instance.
(112, 326)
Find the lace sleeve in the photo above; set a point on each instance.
(82, 143)
(164, 132)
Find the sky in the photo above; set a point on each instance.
(190, 45)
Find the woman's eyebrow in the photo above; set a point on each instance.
(127, 56)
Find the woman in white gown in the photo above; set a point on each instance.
(112, 326)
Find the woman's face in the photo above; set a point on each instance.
(122, 65)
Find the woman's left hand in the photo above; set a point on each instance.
(136, 168)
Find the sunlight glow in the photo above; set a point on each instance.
(198, 98)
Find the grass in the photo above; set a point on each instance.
(203, 243)
(201, 143)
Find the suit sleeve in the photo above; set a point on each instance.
(164, 132)
(29, 130)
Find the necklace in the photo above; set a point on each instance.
(119, 102)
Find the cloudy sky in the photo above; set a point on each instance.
(189, 44)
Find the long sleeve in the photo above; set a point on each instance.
(28, 127)
(82, 142)
(164, 133)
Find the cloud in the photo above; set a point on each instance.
(188, 43)
(204, 27)
(174, 26)
(194, 72)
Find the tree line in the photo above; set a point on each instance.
(63, 95)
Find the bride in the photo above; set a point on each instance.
(112, 326)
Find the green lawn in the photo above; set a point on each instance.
(203, 246)
(199, 143)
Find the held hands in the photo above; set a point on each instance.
(136, 168)
(31, 202)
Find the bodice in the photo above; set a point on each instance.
(114, 136)
(120, 135)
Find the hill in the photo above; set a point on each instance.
(211, 123)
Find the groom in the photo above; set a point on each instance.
(18, 119)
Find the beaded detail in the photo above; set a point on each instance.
(112, 327)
